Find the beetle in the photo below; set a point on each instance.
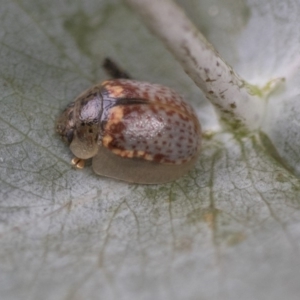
(134, 131)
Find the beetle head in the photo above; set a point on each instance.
(65, 124)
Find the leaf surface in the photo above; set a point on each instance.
(227, 230)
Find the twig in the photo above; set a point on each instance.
(226, 90)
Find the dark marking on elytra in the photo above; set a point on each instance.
(130, 101)
(158, 157)
(117, 128)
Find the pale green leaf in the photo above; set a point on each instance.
(227, 230)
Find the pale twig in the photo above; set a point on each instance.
(226, 90)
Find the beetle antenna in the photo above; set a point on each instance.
(113, 70)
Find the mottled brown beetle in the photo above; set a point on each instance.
(134, 131)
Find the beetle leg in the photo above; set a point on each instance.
(78, 163)
(114, 70)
